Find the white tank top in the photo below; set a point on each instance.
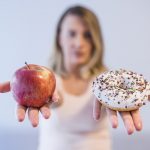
(71, 125)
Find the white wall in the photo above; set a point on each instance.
(27, 32)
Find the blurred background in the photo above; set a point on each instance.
(26, 34)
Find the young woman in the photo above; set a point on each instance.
(77, 59)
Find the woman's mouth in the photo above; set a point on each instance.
(78, 54)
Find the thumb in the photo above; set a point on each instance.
(5, 87)
(55, 96)
(96, 109)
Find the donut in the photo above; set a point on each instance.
(121, 89)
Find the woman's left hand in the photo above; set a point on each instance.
(132, 119)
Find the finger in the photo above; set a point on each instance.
(5, 87)
(128, 122)
(45, 111)
(55, 96)
(33, 114)
(137, 119)
(112, 115)
(21, 111)
(149, 97)
(96, 109)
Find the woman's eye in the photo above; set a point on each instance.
(87, 35)
(72, 34)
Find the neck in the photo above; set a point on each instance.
(73, 74)
(73, 71)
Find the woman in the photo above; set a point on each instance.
(78, 58)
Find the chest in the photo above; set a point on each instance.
(75, 87)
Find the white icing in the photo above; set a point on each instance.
(121, 89)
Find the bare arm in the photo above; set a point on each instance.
(5, 87)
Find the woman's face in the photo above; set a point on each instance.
(75, 41)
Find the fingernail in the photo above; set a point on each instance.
(139, 125)
(114, 124)
(130, 130)
(34, 124)
(46, 115)
(55, 99)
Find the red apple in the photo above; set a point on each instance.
(33, 85)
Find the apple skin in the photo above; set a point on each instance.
(33, 85)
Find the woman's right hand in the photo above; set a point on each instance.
(33, 113)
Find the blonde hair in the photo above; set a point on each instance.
(95, 65)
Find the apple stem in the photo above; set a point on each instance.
(27, 65)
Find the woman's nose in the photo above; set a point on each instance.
(79, 41)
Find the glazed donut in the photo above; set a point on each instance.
(121, 90)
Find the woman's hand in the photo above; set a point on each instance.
(132, 119)
(33, 113)
(5, 87)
